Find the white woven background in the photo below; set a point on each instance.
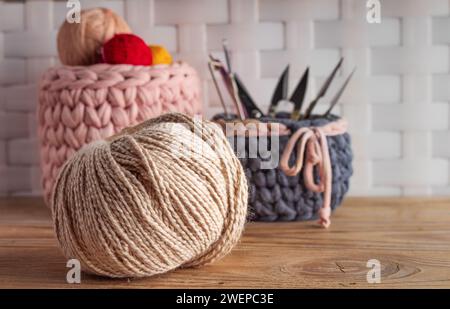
(397, 104)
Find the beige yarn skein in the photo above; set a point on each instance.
(79, 43)
(147, 201)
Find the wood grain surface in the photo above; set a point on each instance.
(410, 237)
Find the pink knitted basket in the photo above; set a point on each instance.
(78, 105)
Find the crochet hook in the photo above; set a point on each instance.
(299, 95)
(323, 90)
(334, 101)
(280, 92)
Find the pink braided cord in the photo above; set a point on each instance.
(312, 146)
(78, 105)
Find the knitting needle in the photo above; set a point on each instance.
(227, 54)
(237, 101)
(338, 94)
(299, 95)
(246, 101)
(230, 84)
(280, 92)
(240, 98)
(219, 92)
(249, 105)
(323, 90)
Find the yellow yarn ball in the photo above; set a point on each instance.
(165, 194)
(160, 55)
(80, 43)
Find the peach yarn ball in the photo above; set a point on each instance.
(79, 43)
(164, 194)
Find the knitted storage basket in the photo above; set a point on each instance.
(78, 105)
(274, 196)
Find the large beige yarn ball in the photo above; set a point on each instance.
(165, 194)
(80, 43)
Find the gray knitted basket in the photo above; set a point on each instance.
(273, 196)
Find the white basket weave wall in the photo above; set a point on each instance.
(397, 104)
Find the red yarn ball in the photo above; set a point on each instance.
(126, 49)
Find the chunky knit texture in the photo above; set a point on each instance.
(78, 105)
(274, 196)
(168, 193)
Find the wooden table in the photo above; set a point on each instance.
(410, 238)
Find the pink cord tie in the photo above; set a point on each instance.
(314, 141)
